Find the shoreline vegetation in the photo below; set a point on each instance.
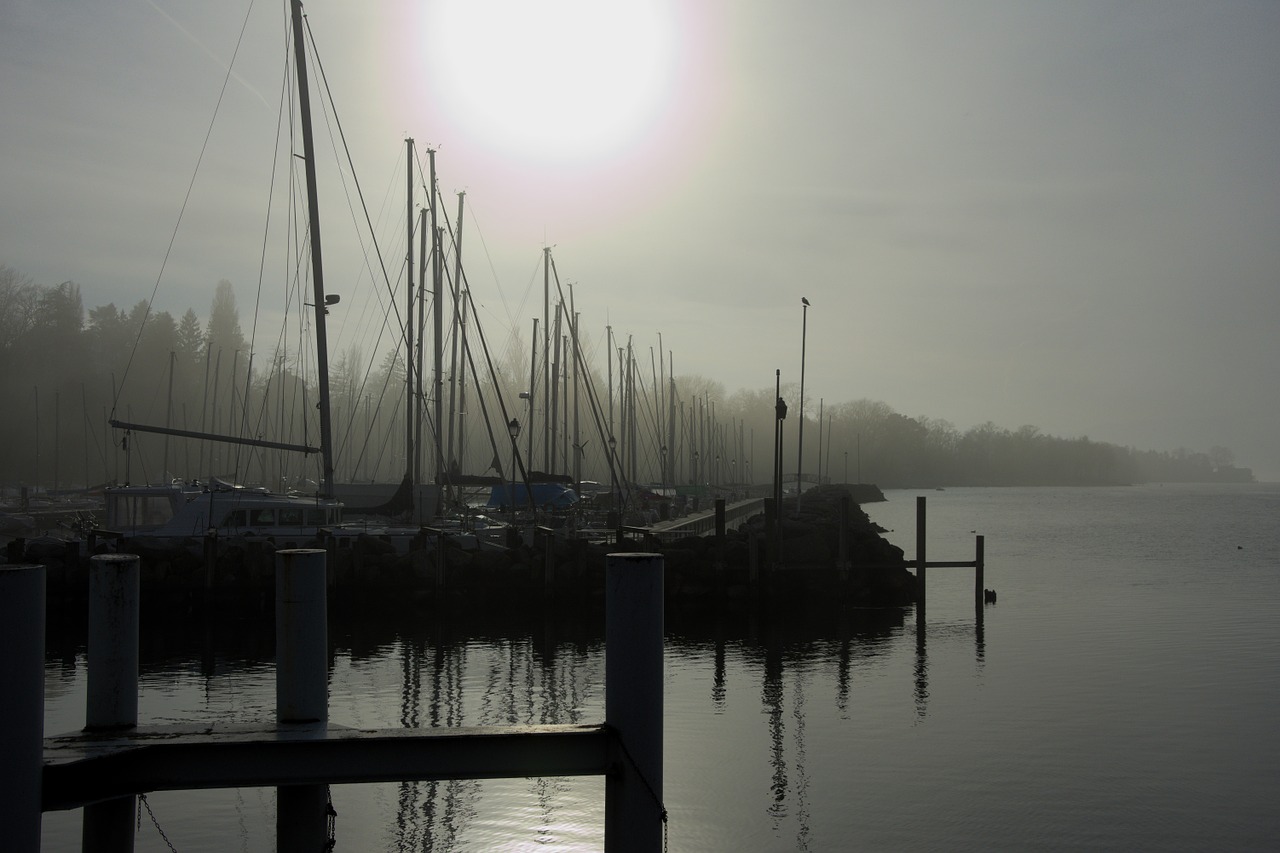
(59, 370)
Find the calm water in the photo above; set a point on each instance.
(1121, 695)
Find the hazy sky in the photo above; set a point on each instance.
(1060, 213)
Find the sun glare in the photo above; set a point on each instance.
(568, 80)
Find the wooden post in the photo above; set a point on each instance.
(920, 550)
(22, 616)
(302, 681)
(112, 692)
(979, 570)
(634, 814)
(753, 558)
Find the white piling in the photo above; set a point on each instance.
(302, 686)
(112, 694)
(22, 614)
(112, 700)
(633, 702)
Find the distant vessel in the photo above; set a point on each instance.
(179, 511)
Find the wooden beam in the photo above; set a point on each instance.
(82, 768)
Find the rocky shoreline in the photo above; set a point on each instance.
(703, 573)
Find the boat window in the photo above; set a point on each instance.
(315, 518)
(290, 517)
(236, 518)
(263, 517)
(140, 510)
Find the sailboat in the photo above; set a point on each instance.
(176, 512)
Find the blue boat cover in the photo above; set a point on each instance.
(545, 495)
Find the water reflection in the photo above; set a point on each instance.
(421, 670)
(920, 670)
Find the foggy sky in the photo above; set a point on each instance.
(1049, 213)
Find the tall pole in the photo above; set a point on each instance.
(608, 332)
(577, 434)
(821, 400)
(554, 399)
(533, 383)
(437, 386)
(419, 398)
(777, 440)
(670, 459)
(168, 416)
(409, 408)
(35, 483)
(546, 357)
(453, 335)
(57, 418)
(317, 265)
(804, 332)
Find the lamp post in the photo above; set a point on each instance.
(513, 429)
(804, 333)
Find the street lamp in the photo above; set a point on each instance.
(804, 333)
(513, 429)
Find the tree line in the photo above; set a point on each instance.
(65, 372)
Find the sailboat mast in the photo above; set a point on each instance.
(546, 358)
(554, 419)
(317, 267)
(670, 457)
(409, 408)
(455, 426)
(416, 358)
(437, 387)
(533, 383)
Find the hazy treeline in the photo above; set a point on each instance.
(65, 371)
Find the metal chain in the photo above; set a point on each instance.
(332, 817)
(662, 808)
(142, 799)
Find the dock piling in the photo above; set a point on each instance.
(22, 615)
(302, 686)
(112, 694)
(634, 813)
(921, 561)
(979, 571)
